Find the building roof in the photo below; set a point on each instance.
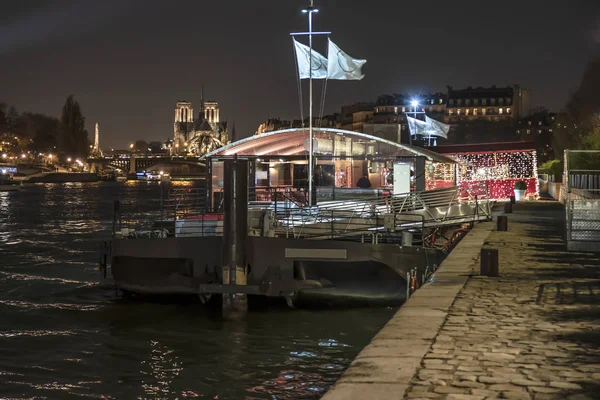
(203, 126)
(484, 147)
(480, 92)
(328, 142)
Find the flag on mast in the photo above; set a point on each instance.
(437, 128)
(416, 126)
(341, 66)
(428, 128)
(319, 62)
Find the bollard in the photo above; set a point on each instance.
(508, 208)
(235, 233)
(512, 200)
(502, 223)
(489, 262)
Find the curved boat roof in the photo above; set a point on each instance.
(327, 142)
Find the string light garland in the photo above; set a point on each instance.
(499, 170)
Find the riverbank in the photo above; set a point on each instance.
(532, 333)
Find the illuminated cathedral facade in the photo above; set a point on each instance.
(201, 134)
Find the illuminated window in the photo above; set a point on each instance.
(500, 111)
(539, 131)
(458, 112)
(441, 101)
(403, 109)
(483, 111)
(467, 111)
(432, 100)
(396, 110)
(529, 131)
(550, 130)
(508, 110)
(474, 111)
(450, 112)
(540, 123)
(529, 123)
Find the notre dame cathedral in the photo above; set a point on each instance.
(200, 135)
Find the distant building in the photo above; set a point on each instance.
(200, 135)
(476, 115)
(354, 116)
(487, 104)
(390, 113)
(539, 128)
(276, 124)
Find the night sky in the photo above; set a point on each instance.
(128, 61)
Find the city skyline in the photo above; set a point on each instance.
(128, 63)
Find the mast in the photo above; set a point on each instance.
(310, 12)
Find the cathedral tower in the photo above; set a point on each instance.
(184, 124)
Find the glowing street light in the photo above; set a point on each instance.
(4, 155)
(414, 103)
(131, 146)
(69, 159)
(23, 156)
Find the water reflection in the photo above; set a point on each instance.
(65, 335)
(161, 368)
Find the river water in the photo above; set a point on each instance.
(66, 334)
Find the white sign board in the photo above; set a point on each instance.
(401, 178)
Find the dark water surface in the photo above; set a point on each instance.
(64, 334)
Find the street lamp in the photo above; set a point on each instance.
(69, 159)
(131, 146)
(414, 103)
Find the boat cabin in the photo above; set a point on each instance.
(347, 165)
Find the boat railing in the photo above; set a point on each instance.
(346, 225)
(184, 212)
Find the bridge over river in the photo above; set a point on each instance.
(143, 162)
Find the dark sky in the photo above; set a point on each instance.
(128, 61)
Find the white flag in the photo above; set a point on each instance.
(342, 66)
(319, 62)
(416, 126)
(437, 128)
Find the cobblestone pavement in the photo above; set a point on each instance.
(533, 333)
